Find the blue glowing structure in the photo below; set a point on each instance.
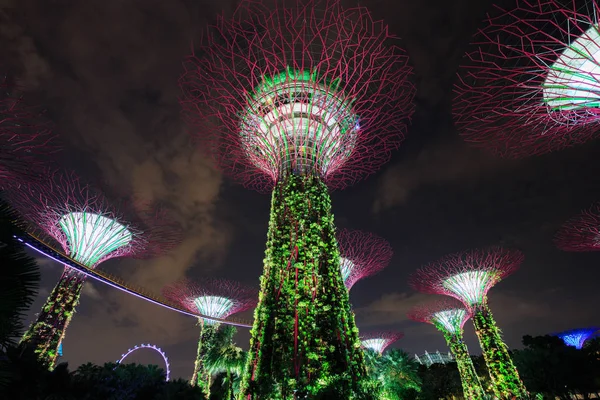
(577, 337)
(60, 350)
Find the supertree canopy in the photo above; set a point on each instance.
(449, 317)
(26, 138)
(379, 341)
(468, 276)
(582, 232)
(577, 337)
(361, 255)
(90, 231)
(299, 97)
(530, 85)
(216, 298)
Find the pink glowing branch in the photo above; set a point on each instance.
(581, 233)
(367, 254)
(345, 52)
(513, 96)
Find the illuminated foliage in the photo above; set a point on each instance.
(379, 341)
(218, 298)
(362, 255)
(468, 276)
(449, 317)
(529, 85)
(89, 230)
(582, 232)
(577, 337)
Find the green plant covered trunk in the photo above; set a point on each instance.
(472, 388)
(201, 377)
(504, 375)
(47, 332)
(304, 342)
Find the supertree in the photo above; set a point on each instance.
(449, 317)
(468, 276)
(582, 232)
(361, 255)
(298, 97)
(577, 337)
(530, 85)
(216, 298)
(90, 231)
(26, 138)
(379, 341)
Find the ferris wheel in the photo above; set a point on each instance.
(151, 347)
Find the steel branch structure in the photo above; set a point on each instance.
(468, 276)
(90, 231)
(216, 298)
(449, 317)
(582, 232)
(530, 85)
(379, 341)
(577, 337)
(299, 97)
(27, 138)
(362, 255)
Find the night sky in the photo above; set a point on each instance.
(107, 73)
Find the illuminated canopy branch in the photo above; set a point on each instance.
(448, 315)
(303, 86)
(577, 337)
(582, 232)
(87, 226)
(216, 298)
(362, 255)
(26, 138)
(379, 341)
(530, 83)
(469, 275)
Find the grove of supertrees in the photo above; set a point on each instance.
(299, 97)
(581, 232)
(26, 138)
(530, 84)
(449, 317)
(379, 341)
(468, 276)
(89, 230)
(577, 337)
(217, 298)
(361, 255)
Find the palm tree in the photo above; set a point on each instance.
(226, 359)
(397, 372)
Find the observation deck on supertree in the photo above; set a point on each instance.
(362, 255)
(468, 276)
(531, 83)
(27, 138)
(90, 231)
(379, 341)
(216, 298)
(449, 317)
(581, 232)
(577, 337)
(299, 97)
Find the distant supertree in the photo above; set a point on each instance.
(531, 83)
(362, 255)
(90, 230)
(468, 276)
(577, 337)
(214, 298)
(299, 97)
(582, 232)
(449, 317)
(379, 341)
(26, 138)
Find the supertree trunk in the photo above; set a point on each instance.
(46, 333)
(201, 377)
(472, 388)
(304, 339)
(504, 375)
